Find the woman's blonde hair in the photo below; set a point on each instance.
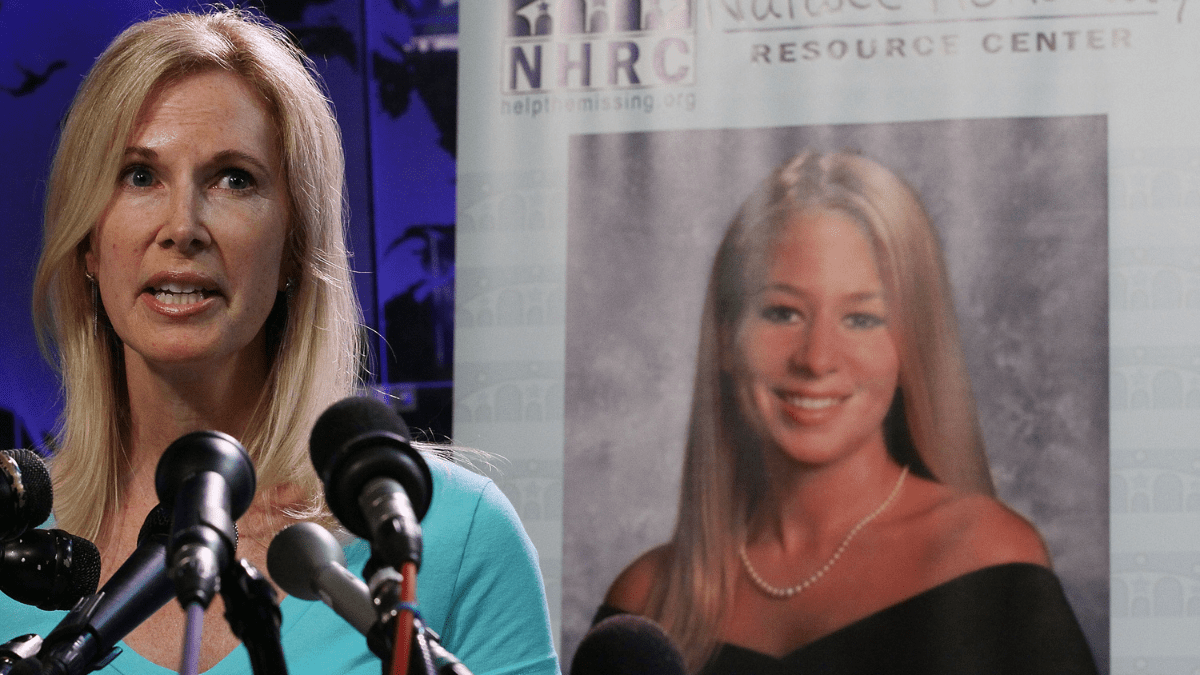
(932, 425)
(313, 331)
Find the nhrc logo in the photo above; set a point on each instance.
(589, 45)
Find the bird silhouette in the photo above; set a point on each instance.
(33, 80)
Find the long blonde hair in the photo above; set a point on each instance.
(932, 425)
(314, 328)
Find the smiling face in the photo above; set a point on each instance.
(188, 253)
(814, 361)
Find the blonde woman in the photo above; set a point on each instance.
(837, 514)
(195, 276)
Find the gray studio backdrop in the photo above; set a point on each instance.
(1021, 208)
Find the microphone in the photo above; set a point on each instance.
(306, 561)
(26, 496)
(626, 644)
(84, 639)
(208, 479)
(376, 484)
(50, 569)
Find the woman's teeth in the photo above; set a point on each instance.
(811, 403)
(176, 294)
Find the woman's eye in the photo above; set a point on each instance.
(236, 179)
(864, 320)
(138, 176)
(780, 314)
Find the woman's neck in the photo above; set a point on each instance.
(809, 506)
(168, 401)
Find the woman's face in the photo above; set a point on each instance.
(814, 360)
(189, 250)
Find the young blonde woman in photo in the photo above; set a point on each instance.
(837, 514)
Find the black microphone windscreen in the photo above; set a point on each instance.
(37, 484)
(347, 419)
(50, 569)
(85, 572)
(38, 495)
(626, 644)
(360, 441)
(158, 521)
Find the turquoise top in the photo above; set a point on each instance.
(479, 587)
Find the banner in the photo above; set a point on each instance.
(605, 146)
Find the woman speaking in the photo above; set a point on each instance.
(194, 276)
(836, 513)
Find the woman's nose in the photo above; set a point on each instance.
(816, 350)
(185, 228)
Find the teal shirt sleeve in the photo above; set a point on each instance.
(480, 587)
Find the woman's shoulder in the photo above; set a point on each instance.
(457, 485)
(631, 590)
(443, 468)
(968, 531)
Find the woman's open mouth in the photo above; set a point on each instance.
(180, 294)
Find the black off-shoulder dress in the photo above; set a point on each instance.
(1008, 619)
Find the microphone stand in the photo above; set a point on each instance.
(193, 628)
(438, 659)
(254, 616)
(421, 654)
(428, 656)
(18, 649)
(394, 595)
(395, 557)
(73, 646)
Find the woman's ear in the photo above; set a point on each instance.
(89, 257)
(288, 272)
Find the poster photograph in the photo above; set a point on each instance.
(605, 147)
(1020, 207)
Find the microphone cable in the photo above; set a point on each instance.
(404, 621)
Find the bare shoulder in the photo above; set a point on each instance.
(631, 590)
(959, 532)
(972, 531)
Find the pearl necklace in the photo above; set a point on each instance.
(785, 593)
